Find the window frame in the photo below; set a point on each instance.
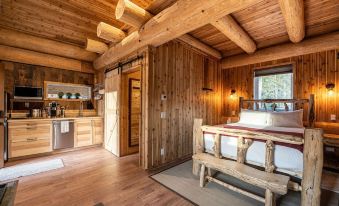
(293, 88)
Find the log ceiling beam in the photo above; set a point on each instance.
(175, 21)
(136, 16)
(131, 14)
(293, 12)
(232, 30)
(110, 33)
(317, 44)
(96, 46)
(38, 44)
(13, 54)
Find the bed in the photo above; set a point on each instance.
(268, 144)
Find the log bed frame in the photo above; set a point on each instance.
(272, 182)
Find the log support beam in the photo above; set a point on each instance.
(173, 22)
(232, 30)
(36, 58)
(317, 44)
(132, 14)
(293, 12)
(110, 33)
(33, 43)
(96, 46)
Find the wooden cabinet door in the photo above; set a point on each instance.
(27, 138)
(98, 131)
(83, 135)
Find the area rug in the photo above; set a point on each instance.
(181, 180)
(21, 170)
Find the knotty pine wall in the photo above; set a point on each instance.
(312, 72)
(178, 72)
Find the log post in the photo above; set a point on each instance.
(269, 167)
(110, 33)
(217, 146)
(198, 143)
(243, 145)
(313, 165)
(269, 158)
(130, 13)
(202, 175)
(96, 46)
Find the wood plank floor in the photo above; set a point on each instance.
(90, 177)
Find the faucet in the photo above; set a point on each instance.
(81, 108)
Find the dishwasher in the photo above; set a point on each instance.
(63, 134)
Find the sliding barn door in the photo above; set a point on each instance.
(112, 120)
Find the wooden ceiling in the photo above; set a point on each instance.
(72, 21)
(265, 24)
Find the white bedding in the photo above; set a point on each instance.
(285, 158)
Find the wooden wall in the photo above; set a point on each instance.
(312, 73)
(177, 71)
(32, 75)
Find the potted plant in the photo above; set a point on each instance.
(77, 95)
(69, 95)
(60, 95)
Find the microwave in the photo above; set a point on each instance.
(24, 92)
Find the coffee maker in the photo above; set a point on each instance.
(53, 108)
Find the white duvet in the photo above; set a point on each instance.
(285, 158)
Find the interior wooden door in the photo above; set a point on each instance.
(112, 120)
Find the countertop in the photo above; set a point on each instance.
(52, 119)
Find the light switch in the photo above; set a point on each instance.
(162, 152)
(233, 113)
(163, 115)
(333, 117)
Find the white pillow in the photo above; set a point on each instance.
(287, 119)
(253, 117)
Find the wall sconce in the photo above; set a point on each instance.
(330, 87)
(232, 93)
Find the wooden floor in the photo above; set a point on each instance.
(90, 177)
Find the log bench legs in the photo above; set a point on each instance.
(202, 176)
(269, 199)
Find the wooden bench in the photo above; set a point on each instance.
(271, 182)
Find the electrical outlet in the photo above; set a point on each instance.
(163, 115)
(163, 97)
(333, 117)
(233, 113)
(162, 152)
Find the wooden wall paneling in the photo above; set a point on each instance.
(311, 73)
(179, 74)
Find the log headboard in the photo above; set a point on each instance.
(297, 104)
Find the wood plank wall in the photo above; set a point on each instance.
(33, 75)
(178, 73)
(312, 72)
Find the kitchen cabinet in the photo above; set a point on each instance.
(34, 136)
(29, 137)
(98, 131)
(83, 132)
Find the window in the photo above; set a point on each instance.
(274, 83)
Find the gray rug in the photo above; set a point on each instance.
(181, 180)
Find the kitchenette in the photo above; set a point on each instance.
(47, 111)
